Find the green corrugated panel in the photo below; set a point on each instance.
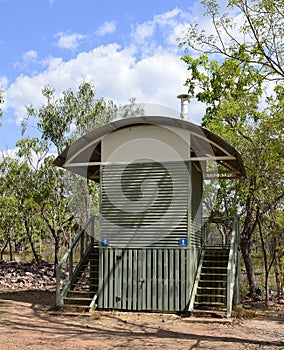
(196, 209)
(130, 281)
(105, 279)
(177, 280)
(149, 279)
(147, 205)
(118, 278)
(171, 280)
(159, 277)
(141, 280)
(111, 274)
(190, 273)
(183, 278)
(101, 280)
(166, 280)
(146, 279)
(125, 272)
(154, 283)
(135, 277)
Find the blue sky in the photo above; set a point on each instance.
(125, 48)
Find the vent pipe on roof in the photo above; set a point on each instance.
(184, 99)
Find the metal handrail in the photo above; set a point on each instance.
(232, 265)
(197, 278)
(82, 241)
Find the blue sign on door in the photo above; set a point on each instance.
(183, 242)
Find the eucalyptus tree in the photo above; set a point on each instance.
(233, 94)
(53, 213)
(11, 228)
(62, 119)
(255, 27)
(67, 200)
(19, 186)
(243, 92)
(73, 113)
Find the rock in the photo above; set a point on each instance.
(26, 276)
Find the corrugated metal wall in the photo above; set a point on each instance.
(145, 204)
(195, 233)
(146, 279)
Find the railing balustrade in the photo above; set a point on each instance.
(66, 268)
(232, 269)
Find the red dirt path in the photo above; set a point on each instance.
(27, 323)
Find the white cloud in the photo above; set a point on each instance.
(106, 28)
(30, 55)
(168, 18)
(163, 29)
(154, 76)
(10, 153)
(3, 82)
(69, 41)
(143, 31)
(155, 79)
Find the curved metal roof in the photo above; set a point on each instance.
(83, 156)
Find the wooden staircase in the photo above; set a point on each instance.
(215, 290)
(216, 286)
(211, 293)
(77, 274)
(84, 284)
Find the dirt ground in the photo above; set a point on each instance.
(27, 322)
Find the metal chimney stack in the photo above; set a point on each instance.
(184, 99)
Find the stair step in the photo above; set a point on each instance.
(208, 311)
(77, 299)
(213, 274)
(213, 281)
(208, 303)
(75, 306)
(219, 257)
(218, 312)
(211, 295)
(81, 292)
(212, 288)
(84, 285)
(215, 263)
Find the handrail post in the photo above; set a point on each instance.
(71, 263)
(238, 263)
(229, 303)
(81, 243)
(92, 223)
(233, 268)
(58, 278)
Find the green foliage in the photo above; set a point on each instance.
(59, 117)
(262, 33)
(63, 119)
(240, 108)
(43, 203)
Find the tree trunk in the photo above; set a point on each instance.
(265, 261)
(3, 250)
(56, 251)
(10, 249)
(246, 249)
(35, 254)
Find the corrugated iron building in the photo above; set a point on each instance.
(151, 172)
